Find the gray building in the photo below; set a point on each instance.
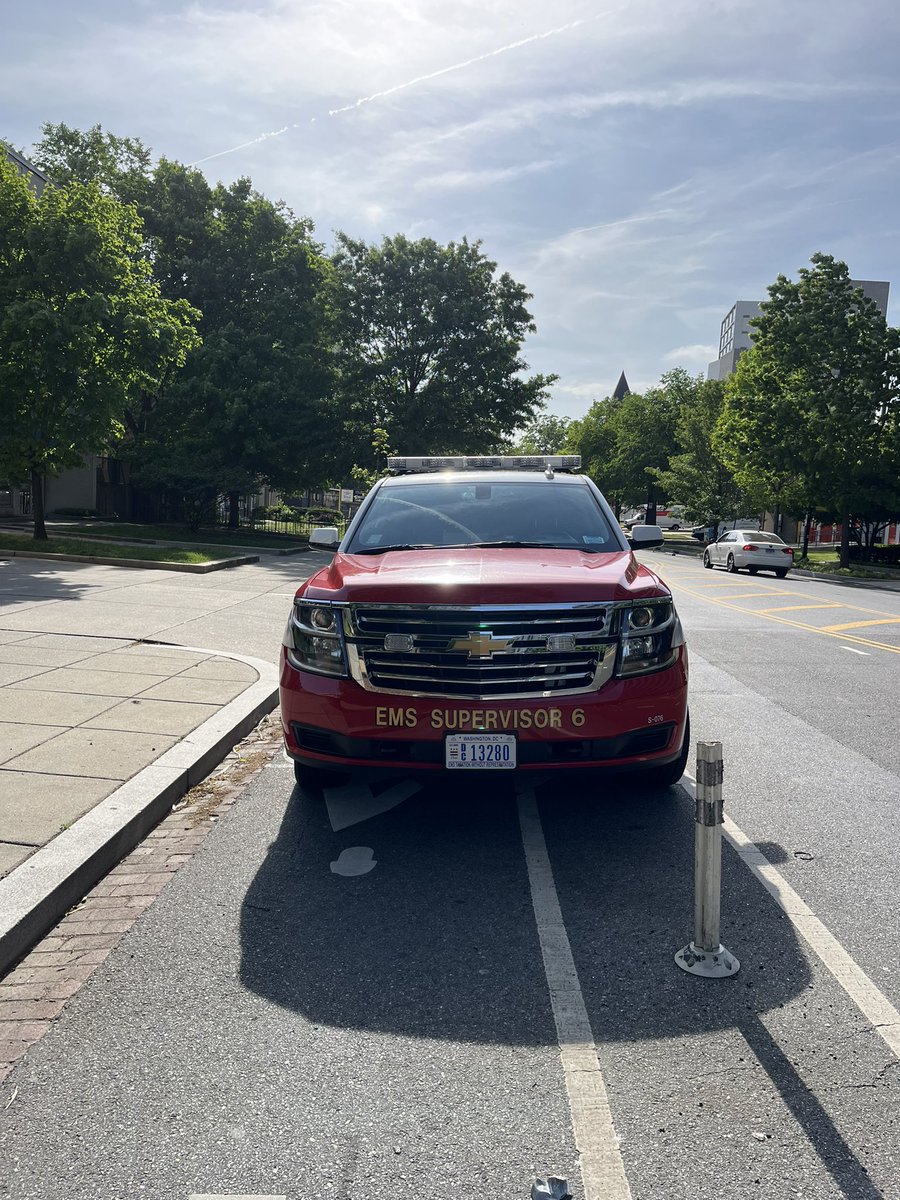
(37, 179)
(736, 334)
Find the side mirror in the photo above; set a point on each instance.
(644, 537)
(325, 537)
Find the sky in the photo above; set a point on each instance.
(638, 165)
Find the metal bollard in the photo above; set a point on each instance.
(705, 955)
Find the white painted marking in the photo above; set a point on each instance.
(853, 650)
(355, 860)
(602, 1169)
(871, 1002)
(357, 802)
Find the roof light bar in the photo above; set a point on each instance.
(496, 462)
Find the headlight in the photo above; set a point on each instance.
(314, 639)
(649, 635)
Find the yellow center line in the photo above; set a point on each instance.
(747, 595)
(792, 607)
(860, 624)
(733, 583)
(841, 637)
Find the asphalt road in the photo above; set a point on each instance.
(366, 1012)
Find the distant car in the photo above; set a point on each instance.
(750, 548)
(666, 518)
(700, 532)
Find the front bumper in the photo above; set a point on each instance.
(636, 722)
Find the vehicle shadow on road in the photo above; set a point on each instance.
(439, 940)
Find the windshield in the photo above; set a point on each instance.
(541, 513)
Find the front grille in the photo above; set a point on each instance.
(525, 664)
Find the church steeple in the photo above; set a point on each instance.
(622, 388)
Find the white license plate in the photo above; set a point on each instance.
(480, 751)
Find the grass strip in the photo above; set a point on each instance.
(82, 546)
(177, 533)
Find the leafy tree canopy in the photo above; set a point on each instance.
(90, 156)
(429, 347)
(812, 409)
(544, 435)
(83, 327)
(696, 474)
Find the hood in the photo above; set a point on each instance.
(484, 576)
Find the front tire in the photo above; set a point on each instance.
(781, 573)
(668, 776)
(731, 565)
(707, 561)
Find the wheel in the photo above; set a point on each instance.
(674, 528)
(752, 570)
(707, 561)
(669, 775)
(781, 573)
(313, 779)
(731, 565)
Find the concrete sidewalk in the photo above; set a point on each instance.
(99, 736)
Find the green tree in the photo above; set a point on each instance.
(696, 473)
(644, 430)
(91, 156)
(544, 435)
(83, 327)
(429, 347)
(594, 437)
(812, 409)
(254, 404)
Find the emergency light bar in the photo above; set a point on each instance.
(498, 462)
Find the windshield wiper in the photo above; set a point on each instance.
(520, 545)
(390, 549)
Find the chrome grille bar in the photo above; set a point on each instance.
(521, 669)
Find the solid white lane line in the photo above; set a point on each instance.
(853, 650)
(602, 1169)
(871, 1002)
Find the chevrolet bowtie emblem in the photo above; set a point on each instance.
(480, 644)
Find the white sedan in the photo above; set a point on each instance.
(750, 548)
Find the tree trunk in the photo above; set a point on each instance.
(845, 541)
(807, 526)
(233, 512)
(37, 505)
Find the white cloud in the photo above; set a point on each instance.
(698, 354)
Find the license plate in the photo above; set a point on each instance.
(480, 751)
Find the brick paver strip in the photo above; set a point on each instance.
(34, 992)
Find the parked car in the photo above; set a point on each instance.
(750, 548)
(701, 532)
(666, 518)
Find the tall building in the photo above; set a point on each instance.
(736, 334)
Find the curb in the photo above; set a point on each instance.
(221, 564)
(42, 889)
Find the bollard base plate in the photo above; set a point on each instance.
(712, 964)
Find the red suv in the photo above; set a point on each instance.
(485, 614)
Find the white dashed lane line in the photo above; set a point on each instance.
(602, 1169)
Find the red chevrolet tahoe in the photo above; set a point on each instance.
(484, 614)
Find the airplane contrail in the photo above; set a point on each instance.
(536, 37)
(263, 137)
(333, 112)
